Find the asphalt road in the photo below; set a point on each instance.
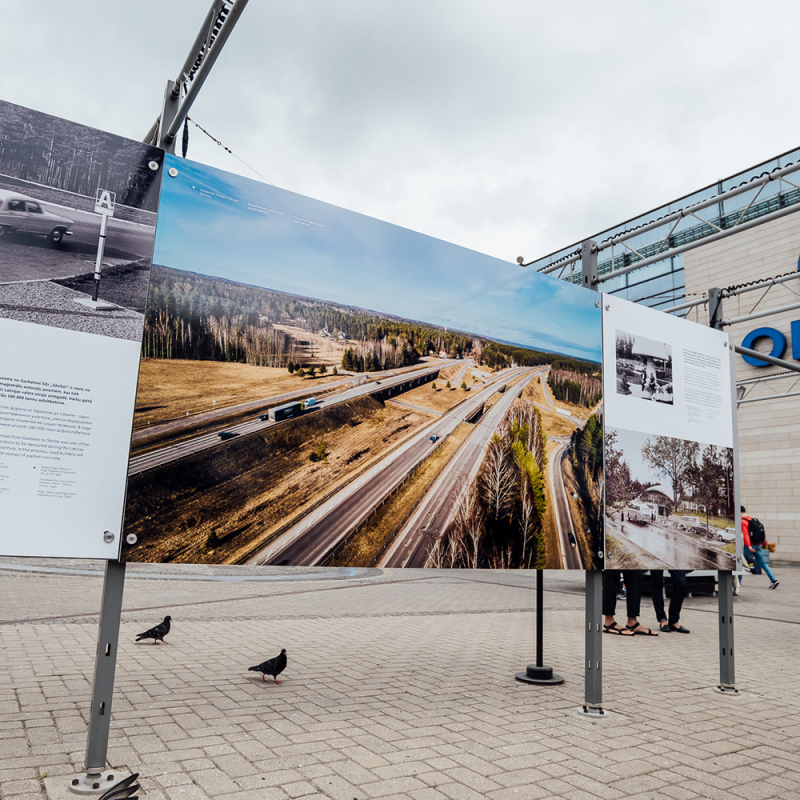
(28, 258)
(570, 554)
(434, 514)
(309, 541)
(165, 455)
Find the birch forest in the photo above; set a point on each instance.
(498, 519)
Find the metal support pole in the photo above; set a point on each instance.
(103, 687)
(169, 111)
(593, 681)
(593, 686)
(727, 665)
(538, 673)
(589, 264)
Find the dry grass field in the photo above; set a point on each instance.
(173, 388)
(217, 506)
(440, 398)
(555, 424)
(366, 544)
(311, 348)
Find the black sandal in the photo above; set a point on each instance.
(645, 632)
(614, 628)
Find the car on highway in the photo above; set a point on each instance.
(702, 530)
(226, 435)
(433, 438)
(571, 537)
(264, 418)
(22, 214)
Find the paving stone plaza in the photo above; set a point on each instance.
(400, 684)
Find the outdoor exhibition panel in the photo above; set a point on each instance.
(76, 205)
(669, 442)
(320, 387)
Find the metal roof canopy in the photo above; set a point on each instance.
(181, 93)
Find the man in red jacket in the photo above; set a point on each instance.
(755, 550)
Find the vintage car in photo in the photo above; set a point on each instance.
(22, 214)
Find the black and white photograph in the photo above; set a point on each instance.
(644, 367)
(669, 502)
(77, 224)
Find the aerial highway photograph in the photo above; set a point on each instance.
(322, 388)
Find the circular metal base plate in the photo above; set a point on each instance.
(541, 676)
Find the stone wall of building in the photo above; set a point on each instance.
(769, 430)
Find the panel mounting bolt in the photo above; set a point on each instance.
(108, 537)
(173, 173)
(597, 304)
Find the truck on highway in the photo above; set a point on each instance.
(285, 411)
(311, 401)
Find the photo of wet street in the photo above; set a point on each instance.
(663, 544)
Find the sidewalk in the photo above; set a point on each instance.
(400, 684)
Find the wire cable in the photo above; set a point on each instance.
(228, 150)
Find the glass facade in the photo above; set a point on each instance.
(661, 285)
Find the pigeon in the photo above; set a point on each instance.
(124, 790)
(156, 633)
(274, 667)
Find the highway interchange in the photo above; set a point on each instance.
(316, 534)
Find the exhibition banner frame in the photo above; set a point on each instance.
(322, 388)
(669, 440)
(73, 287)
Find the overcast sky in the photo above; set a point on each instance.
(512, 128)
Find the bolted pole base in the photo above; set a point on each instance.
(541, 676)
(730, 691)
(593, 712)
(61, 787)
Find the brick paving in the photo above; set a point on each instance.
(399, 685)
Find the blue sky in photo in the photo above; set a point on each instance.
(219, 224)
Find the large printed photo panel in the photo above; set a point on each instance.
(322, 388)
(75, 204)
(670, 500)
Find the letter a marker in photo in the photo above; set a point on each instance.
(104, 203)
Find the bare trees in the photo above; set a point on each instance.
(497, 520)
(575, 387)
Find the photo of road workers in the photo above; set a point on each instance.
(669, 503)
(320, 388)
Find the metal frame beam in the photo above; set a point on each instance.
(674, 218)
(181, 94)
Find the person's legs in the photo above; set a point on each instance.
(678, 595)
(611, 586)
(633, 583)
(759, 559)
(657, 591)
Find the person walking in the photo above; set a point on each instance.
(753, 535)
(671, 624)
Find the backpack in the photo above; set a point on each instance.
(756, 531)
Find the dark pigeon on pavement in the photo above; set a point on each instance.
(274, 667)
(124, 790)
(157, 633)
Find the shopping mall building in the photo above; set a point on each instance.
(753, 236)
